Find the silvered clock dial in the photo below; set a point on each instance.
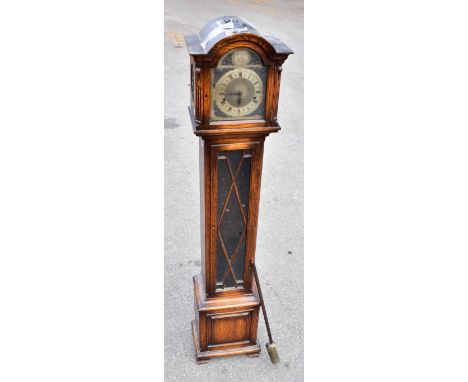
(238, 86)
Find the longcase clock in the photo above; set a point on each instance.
(235, 82)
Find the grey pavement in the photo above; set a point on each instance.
(279, 253)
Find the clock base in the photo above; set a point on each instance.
(205, 356)
(224, 326)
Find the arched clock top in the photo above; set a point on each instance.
(217, 36)
(222, 27)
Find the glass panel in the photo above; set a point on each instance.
(224, 181)
(233, 203)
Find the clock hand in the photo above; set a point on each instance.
(239, 100)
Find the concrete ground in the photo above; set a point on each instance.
(279, 252)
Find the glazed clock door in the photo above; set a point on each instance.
(236, 180)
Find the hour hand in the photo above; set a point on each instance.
(231, 94)
(239, 100)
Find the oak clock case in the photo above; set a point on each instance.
(235, 81)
